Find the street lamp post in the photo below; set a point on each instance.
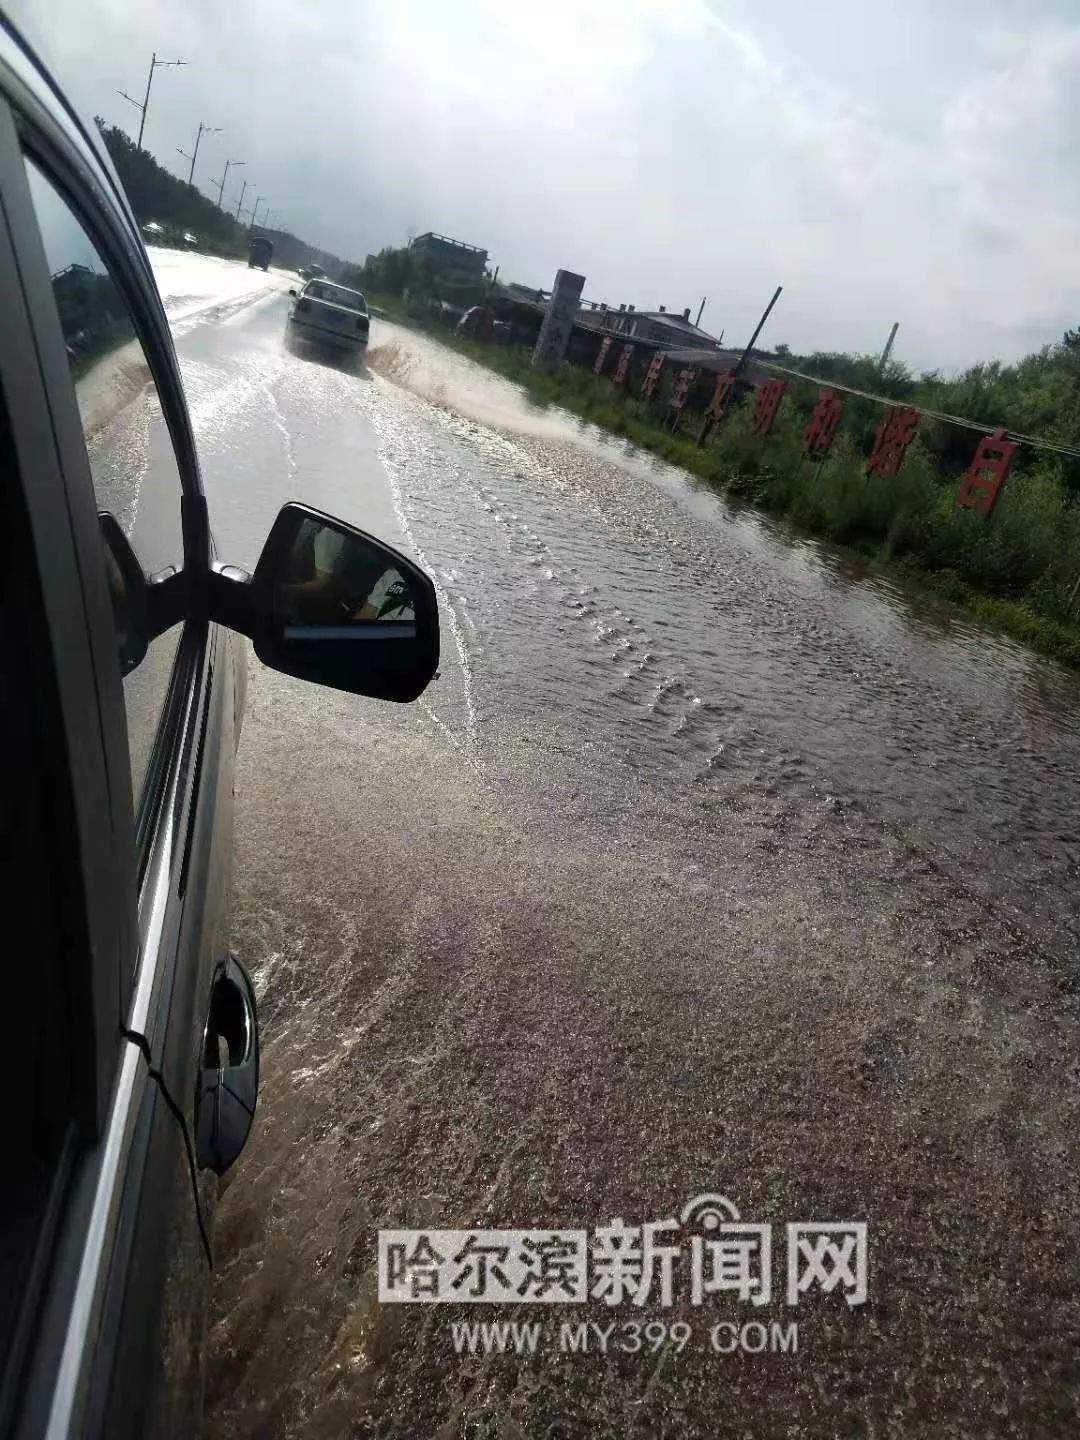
(243, 192)
(255, 211)
(202, 130)
(221, 182)
(155, 64)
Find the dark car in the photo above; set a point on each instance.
(260, 252)
(332, 315)
(478, 323)
(130, 1056)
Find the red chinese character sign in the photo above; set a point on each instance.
(717, 406)
(824, 423)
(725, 384)
(601, 358)
(683, 385)
(989, 469)
(622, 368)
(766, 404)
(652, 375)
(891, 440)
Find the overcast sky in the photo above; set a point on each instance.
(915, 161)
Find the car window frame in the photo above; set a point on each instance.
(133, 885)
(125, 260)
(146, 797)
(160, 831)
(102, 923)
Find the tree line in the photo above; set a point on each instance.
(155, 194)
(398, 272)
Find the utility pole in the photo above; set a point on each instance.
(155, 64)
(701, 310)
(203, 130)
(888, 346)
(760, 326)
(254, 212)
(243, 191)
(221, 182)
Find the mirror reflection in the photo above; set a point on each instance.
(334, 585)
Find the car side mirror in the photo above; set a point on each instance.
(292, 291)
(331, 604)
(127, 591)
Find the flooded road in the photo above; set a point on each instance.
(707, 865)
(691, 639)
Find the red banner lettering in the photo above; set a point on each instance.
(652, 375)
(766, 404)
(725, 384)
(622, 368)
(683, 385)
(824, 423)
(989, 469)
(891, 440)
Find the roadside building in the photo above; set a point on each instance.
(450, 257)
(669, 330)
(665, 328)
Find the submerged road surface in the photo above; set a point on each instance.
(707, 865)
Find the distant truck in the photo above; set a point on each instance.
(260, 252)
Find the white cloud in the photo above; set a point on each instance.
(920, 167)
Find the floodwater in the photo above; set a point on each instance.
(699, 643)
(708, 864)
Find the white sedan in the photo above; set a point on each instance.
(330, 314)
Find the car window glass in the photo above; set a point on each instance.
(132, 461)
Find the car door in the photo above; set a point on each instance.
(109, 1341)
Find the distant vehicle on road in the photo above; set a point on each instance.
(330, 314)
(153, 232)
(260, 252)
(190, 240)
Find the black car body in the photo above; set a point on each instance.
(260, 252)
(131, 1058)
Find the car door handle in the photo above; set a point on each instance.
(229, 1086)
